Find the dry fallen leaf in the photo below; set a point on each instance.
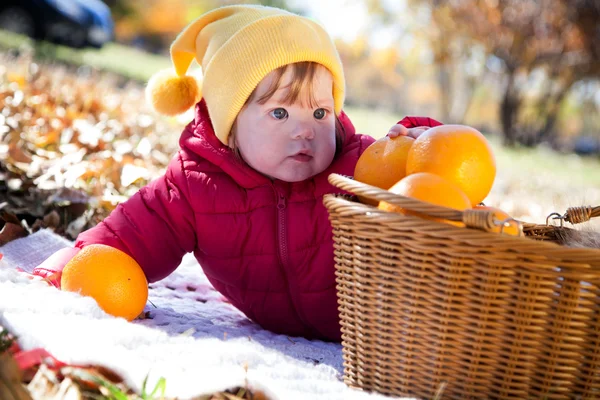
(11, 387)
(46, 384)
(10, 232)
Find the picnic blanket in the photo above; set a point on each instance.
(193, 337)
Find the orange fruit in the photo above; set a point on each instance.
(460, 154)
(383, 163)
(431, 188)
(511, 228)
(111, 277)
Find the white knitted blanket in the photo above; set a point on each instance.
(194, 339)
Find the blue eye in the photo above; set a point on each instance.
(279, 113)
(320, 113)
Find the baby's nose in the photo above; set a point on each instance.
(304, 131)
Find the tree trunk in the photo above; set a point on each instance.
(443, 61)
(509, 108)
(468, 89)
(547, 133)
(444, 84)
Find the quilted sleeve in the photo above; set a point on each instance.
(413, 122)
(156, 226)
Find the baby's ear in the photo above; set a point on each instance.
(170, 94)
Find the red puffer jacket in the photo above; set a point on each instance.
(265, 245)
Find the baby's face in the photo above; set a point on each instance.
(289, 142)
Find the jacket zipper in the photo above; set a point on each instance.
(284, 257)
(281, 228)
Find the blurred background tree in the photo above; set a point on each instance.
(544, 47)
(535, 53)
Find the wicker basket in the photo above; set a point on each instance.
(426, 305)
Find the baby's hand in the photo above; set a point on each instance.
(51, 268)
(401, 130)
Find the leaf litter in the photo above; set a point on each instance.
(74, 143)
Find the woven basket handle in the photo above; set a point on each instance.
(480, 219)
(576, 215)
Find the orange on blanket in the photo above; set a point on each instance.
(111, 277)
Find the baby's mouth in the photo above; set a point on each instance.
(302, 156)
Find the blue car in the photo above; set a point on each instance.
(75, 23)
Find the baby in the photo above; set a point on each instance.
(245, 191)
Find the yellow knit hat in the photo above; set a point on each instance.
(237, 46)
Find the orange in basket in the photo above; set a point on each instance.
(383, 163)
(430, 188)
(460, 154)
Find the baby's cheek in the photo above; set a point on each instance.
(271, 153)
(331, 139)
(327, 148)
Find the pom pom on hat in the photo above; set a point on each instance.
(170, 94)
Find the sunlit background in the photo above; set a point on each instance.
(535, 63)
(524, 72)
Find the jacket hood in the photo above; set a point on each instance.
(199, 138)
